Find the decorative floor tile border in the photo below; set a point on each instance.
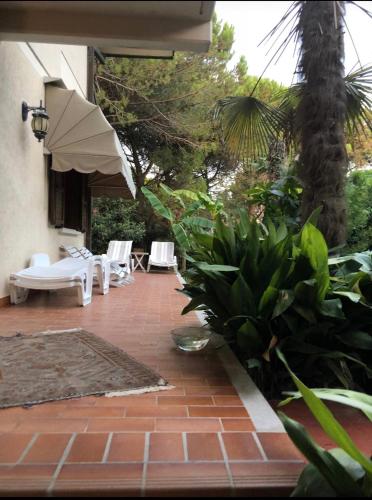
(263, 416)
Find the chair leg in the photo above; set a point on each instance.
(148, 267)
(106, 277)
(17, 294)
(85, 287)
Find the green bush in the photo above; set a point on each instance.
(114, 219)
(339, 472)
(280, 200)
(359, 202)
(262, 286)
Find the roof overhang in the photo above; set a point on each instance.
(114, 27)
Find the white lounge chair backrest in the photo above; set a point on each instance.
(40, 259)
(162, 251)
(120, 251)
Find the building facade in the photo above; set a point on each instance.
(25, 226)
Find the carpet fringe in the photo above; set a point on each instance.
(140, 391)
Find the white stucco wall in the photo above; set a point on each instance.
(24, 227)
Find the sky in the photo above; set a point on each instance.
(253, 20)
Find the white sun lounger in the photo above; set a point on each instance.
(65, 273)
(162, 255)
(113, 273)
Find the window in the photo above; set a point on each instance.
(68, 199)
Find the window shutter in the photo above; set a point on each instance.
(56, 198)
(74, 200)
(68, 199)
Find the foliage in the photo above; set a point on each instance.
(343, 471)
(261, 286)
(359, 201)
(185, 211)
(278, 201)
(114, 219)
(312, 115)
(160, 110)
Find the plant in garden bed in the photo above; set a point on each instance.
(281, 292)
(262, 286)
(343, 471)
(278, 201)
(187, 213)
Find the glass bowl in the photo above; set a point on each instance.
(191, 338)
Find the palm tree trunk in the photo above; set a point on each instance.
(321, 117)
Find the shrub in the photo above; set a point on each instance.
(262, 286)
(359, 202)
(114, 219)
(339, 472)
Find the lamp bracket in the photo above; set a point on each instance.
(26, 108)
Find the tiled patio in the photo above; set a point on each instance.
(196, 439)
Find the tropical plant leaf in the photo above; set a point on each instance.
(157, 205)
(249, 125)
(181, 237)
(330, 468)
(327, 421)
(355, 399)
(356, 338)
(285, 299)
(359, 103)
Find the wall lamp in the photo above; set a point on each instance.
(39, 123)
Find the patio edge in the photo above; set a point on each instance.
(261, 413)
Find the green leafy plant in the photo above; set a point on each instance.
(186, 211)
(114, 219)
(279, 200)
(359, 203)
(343, 471)
(262, 286)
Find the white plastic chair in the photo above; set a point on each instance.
(40, 259)
(109, 271)
(162, 255)
(66, 273)
(120, 252)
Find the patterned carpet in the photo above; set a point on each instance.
(56, 365)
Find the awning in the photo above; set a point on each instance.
(80, 137)
(113, 186)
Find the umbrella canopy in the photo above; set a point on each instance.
(80, 137)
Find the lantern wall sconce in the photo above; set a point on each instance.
(39, 123)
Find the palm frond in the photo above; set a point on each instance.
(359, 102)
(248, 125)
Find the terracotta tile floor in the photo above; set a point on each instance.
(196, 439)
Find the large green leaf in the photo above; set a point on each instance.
(285, 299)
(181, 237)
(313, 245)
(332, 308)
(157, 204)
(354, 297)
(203, 266)
(333, 472)
(172, 193)
(351, 398)
(197, 223)
(187, 194)
(242, 299)
(327, 421)
(250, 340)
(356, 338)
(249, 125)
(312, 483)
(268, 301)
